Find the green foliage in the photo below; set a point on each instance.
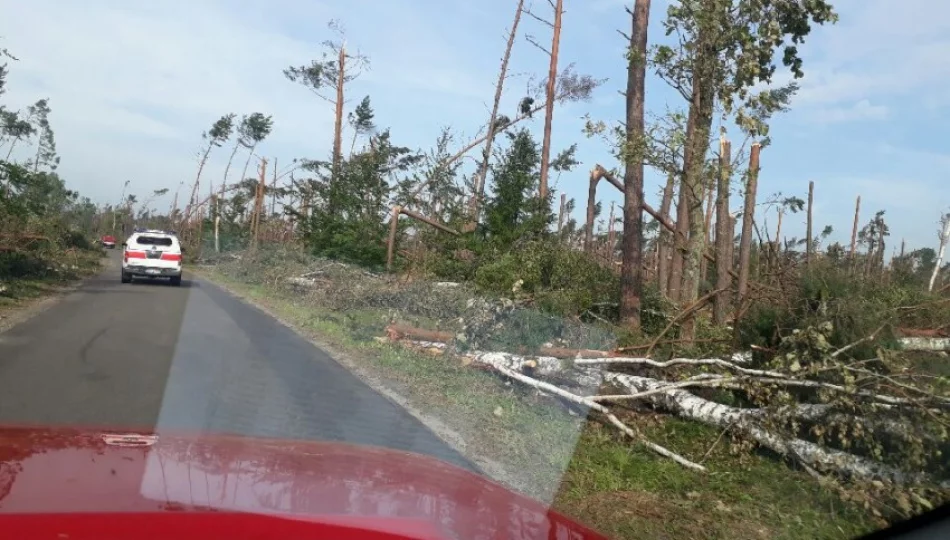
(733, 45)
(361, 119)
(514, 211)
(254, 128)
(220, 131)
(325, 72)
(855, 307)
(560, 280)
(347, 218)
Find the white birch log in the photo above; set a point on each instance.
(671, 398)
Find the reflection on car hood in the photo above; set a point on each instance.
(66, 470)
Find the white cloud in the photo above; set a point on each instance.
(155, 76)
(878, 49)
(862, 110)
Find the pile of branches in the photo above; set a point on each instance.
(872, 428)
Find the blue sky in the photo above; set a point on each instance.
(133, 85)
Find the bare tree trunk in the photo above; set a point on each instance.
(194, 190)
(247, 163)
(217, 228)
(631, 273)
(338, 121)
(391, 241)
(591, 210)
(611, 238)
(732, 245)
(201, 227)
(723, 235)
(273, 195)
(10, 152)
(679, 245)
(854, 229)
(879, 256)
(698, 125)
(258, 205)
(665, 239)
(560, 214)
(503, 74)
(748, 214)
(707, 226)
(941, 251)
(549, 100)
(809, 238)
(778, 232)
(227, 168)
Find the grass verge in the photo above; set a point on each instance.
(582, 469)
(25, 280)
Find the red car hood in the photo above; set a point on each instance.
(69, 471)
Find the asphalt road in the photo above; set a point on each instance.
(147, 355)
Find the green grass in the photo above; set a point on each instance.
(608, 483)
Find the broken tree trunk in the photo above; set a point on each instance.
(549, 100)
(338, 118)
(595, 175)
(679, 245)
(673, 397)
(748, 215)
(809, 237)
(394, 221)
(854, 229)
(941, 251)
(665, 239)
(258, 205)
(479, 187)
(723, 235)
(391, 242)
(561, 213)
(611, 239)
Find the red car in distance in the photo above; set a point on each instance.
(69, 483)
(108, 241)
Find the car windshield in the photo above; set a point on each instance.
(531, 269)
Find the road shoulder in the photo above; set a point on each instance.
(463, 434)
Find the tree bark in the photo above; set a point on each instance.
(259, 202)
(490, 139)
(338, 121)
(631, 273)
(591, 210)
(194, 190)
(679, 245)
(698, 126)
(560, 214)
(723, 236)
(549, 101)
(941, 251)
(748, 214)
(854, 229)
(391, 241)
(227, 168)
(611, 238)
(665, 239)
(809, 247)
(707, 225)
(777, 251)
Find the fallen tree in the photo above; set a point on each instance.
(843, 435)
